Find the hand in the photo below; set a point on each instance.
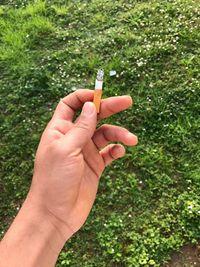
(72, 156)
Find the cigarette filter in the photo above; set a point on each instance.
(98, 89)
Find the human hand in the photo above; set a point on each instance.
(72, 156)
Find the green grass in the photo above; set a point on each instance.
(148, 203)
(20, 32)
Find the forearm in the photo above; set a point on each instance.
(33, 239)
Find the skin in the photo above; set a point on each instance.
(71, 156)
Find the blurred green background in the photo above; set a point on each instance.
(148, 203)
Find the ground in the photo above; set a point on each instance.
(189, 256)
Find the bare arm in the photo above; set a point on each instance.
(33, 239)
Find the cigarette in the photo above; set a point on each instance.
(98, 89)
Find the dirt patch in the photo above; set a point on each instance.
(188, 256)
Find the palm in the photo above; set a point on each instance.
(82, 177)
(88, 186)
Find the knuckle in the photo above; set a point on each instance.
(52, 135)
(53, 148)
(79, 91)
(64, 99)
(105, 126)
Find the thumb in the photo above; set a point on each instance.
(83, 129)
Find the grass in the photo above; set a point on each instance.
(148, 203)
(20, 32)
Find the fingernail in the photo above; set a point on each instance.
(119, 151)
(130, 135)
(88, 108)
(128, 97)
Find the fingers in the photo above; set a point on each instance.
(113, 105)
(112, 152)
(71, 103)
(82, 131)
(110, 133)
(74, 101)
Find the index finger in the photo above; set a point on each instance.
(73, 102)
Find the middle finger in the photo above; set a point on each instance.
(111, 133)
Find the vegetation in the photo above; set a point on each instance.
(148, 203)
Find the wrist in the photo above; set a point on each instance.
(45, 217)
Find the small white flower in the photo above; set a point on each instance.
(140, 63)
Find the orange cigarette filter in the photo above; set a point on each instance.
(98, 89)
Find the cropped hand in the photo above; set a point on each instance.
(72, 155)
